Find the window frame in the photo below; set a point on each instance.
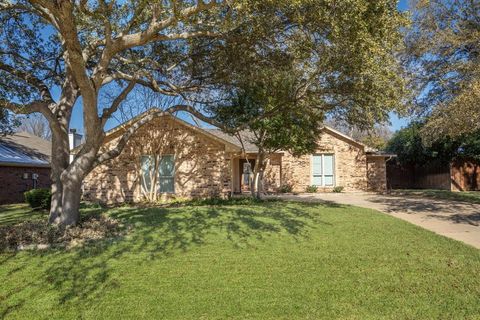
(159, 177)
(168, 177)
(323, 175)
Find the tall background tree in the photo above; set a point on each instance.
(35, 124)
(443, 57)
(195, 51)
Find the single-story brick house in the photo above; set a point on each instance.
(194, 162)
(24, 165)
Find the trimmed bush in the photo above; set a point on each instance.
(311, 189)
(38, 198)
(286, 188)
(338, 189)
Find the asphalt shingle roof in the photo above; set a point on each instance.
(24, 149)
(246, 136)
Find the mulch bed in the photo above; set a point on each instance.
(37, 234)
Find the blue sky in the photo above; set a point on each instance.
(77, 117)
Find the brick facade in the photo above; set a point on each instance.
(13, 184)
(206, 167)
(376, 174)
(350, 165)
(202, 165)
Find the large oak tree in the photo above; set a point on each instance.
(193, 50)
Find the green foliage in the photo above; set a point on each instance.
(350, 73)
(338, 189)
(410, 148)
(267, 106)
(409, 145)
(286, 188)
(443, 61)
(311, 189)
(38, 198)
(7, 122)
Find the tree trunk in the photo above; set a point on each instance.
(257, 183)
(59, 163)
(56, 203)
(72, 192)
(67, 179)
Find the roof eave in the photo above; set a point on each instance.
(17, 164)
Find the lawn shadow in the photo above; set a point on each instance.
(85, 272)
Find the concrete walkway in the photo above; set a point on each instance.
(457, 220)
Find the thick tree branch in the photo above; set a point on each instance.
(29, 79)
(107, 112)
(112, 153)
(32, 107)
(151, 83)
(155, 27)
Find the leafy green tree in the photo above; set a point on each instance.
(275, 117)
(409, 145)
(443, 58)
(193, 50)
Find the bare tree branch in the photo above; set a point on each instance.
(112, 153)
(116, 103)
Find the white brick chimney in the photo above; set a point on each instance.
(74, 140)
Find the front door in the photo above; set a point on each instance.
(246, 174)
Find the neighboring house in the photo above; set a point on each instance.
(24, 165)
(195, 162)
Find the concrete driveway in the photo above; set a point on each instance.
(457, 220)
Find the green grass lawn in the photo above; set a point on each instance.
(272, 260)
(464, 196)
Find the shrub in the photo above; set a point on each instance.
(286, 188)
(338, 189)
(38, 198)
(311, 189)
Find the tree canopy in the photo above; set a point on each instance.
(408, 143)
(342, 55)
(443, 57)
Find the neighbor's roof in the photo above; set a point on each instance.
(24, 149)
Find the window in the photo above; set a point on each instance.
(165, 173)
(323, 170)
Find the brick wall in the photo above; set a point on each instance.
(273, 172)
(376, 174)
(202, 167)
(350, 165)
(13, 185)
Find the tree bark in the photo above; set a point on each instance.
(59, 163)
(71, 196)
(257, 183)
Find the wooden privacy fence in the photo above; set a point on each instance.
(465, 175)
(460, 175)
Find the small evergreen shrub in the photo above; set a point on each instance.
(311, 189)
(338, 189)
(286, 188)
(38, 198)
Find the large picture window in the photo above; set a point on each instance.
(161, 167)
(323, 170)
